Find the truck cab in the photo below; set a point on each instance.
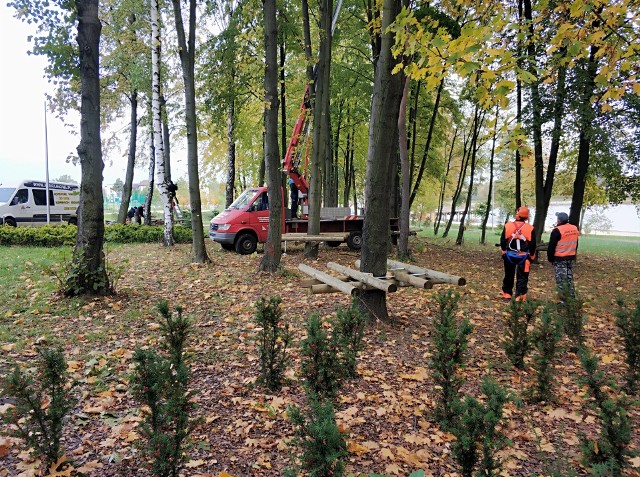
(244, 223)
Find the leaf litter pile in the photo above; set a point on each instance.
(386, 411)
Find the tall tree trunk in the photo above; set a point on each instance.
(165, 138)
(443, 185)
(519, 111)
(88, 273)
(321, 139)
(163, 181)
(272, 251)
(485, 219)
(385, 105)
(152, 171)
(187, 51)
(558, 113)
(586, 116)
(348, 164)
(427, 145)
(231, 151)
(283, 117)
(478, 120)
(461, 177)
(413, 121)
(131, 159)
(405, 209)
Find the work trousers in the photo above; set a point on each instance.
(522, 277)
(563, 271)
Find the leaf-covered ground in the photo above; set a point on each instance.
(386, 411)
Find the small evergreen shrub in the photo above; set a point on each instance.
(272, 342)
(321, 365)
(545, 338)
(161, 382)
(321, 442)
(628, 323)
(474, 426)
(608, 455)
(41, 426)
(348, 328)
(450, 338)
(573, 318)
(516, 339)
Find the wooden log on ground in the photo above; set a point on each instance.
(309, 282)
(412, 280)
(329, 280)
(432, 275)
(367, 278)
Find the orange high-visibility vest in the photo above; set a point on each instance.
(568, 243)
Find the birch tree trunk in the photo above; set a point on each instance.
(385, 105)
(273, 248)
(186, 51)
(152, 170)
(88, 273)
(163, 182)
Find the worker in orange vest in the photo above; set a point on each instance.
(518, 244)
(563, 246)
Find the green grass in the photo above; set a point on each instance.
(606, 245)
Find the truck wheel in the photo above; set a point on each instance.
(227, 246)
(10, 221)
(333, 244)
(246, 244)
(354, 241)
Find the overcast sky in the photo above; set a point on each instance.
(22, 136)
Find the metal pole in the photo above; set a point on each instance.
(46, 162)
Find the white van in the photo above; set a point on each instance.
(27, 204)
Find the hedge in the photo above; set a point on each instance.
(58, 235)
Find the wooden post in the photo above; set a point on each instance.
(412, 280)
(329, 280)
(433, 275)
(367, 278)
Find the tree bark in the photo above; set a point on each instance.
(542, 206)
(478, 120)
(586, 116)
(490, 194)
(165, 138)
(231, 151)
(427, 145)
(283, 117)
(152, 171)
(321, 139)
(187, 59)
(443, 186)
(88, 273)
(131, 159)
(385, 105)
(405, 209)
(163, 181)
(461, 177)
(272, 251)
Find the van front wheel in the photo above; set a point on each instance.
(10, 221)
(246, 244)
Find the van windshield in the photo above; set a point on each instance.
(243, 200)
(5, 193)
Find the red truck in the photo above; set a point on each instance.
(245, 223)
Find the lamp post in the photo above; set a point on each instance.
(46, 162)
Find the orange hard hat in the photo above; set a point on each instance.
(523, 212)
